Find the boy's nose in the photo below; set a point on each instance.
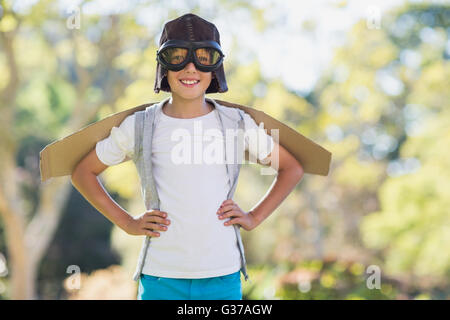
(190, 66)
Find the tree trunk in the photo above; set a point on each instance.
(27, 243)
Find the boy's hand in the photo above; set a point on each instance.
(147, 223)
(229, 208)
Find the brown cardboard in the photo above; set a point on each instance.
(59, 158)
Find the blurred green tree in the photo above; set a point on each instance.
(55, 80)
(385, 100)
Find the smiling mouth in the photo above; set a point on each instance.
(190, 84)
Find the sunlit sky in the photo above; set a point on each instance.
(284, 50)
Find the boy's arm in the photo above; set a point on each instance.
(290, 172)
(84, 179)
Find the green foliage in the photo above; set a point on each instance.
(413, 225)
(330, 279)
(393, 83)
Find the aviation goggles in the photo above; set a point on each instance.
(174, 55)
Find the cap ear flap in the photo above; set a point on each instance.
(213, 86)
(161, 79)
(165, 84)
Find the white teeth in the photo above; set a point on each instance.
(189, 81)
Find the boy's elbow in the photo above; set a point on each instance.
(74, 176)
(301, 172)
(292, 166)
(297, 170)
(78, 173)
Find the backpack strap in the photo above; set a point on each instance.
(138, 131)
(237, 168)
(240, 147)
(144, 124)
(151, 193)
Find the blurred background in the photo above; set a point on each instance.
(367, 80)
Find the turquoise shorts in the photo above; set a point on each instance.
(227, 287)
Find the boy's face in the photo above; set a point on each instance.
(189, 72)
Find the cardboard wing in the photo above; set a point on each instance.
(60, 157)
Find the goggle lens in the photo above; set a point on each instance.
(207, 56)
(176, 55)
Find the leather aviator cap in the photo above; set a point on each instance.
(190, 27)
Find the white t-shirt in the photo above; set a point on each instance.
(196, 243)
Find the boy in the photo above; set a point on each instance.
(194, 254)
